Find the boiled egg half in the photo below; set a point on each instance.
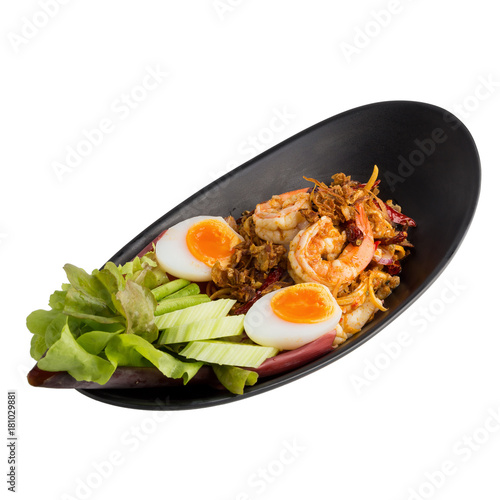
(190, 248)
(293, 316)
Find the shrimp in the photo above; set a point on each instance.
(352, 322)
(279, 219)
(316, 253)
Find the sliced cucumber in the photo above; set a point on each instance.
(191, 289)
(205, 329)
(169, 305)
(168, 288)
(208, 310)
(227, 353)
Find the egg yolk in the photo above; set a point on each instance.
(210, 241)
(303, 303)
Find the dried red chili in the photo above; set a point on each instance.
(353, 233)
(394, 268)
(398, 217)
(399, 238)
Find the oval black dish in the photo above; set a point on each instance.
(428, 164)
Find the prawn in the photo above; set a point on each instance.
(352, 322)
(279, 219)
(316, 253)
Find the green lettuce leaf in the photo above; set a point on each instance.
(150, 259)
(38, 321)
(137, 304)
(132, 350)
(129, 268)
(94, 342)
(105, 301)
(112, 279)
(57, 299)
(66, 354)
(144, 271)
(54, 329)
(38, 346)
(80, 304)
(89, 285)
(147, 277)
(235, 379)
(103, 320)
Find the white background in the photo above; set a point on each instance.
(229, 69)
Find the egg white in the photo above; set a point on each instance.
(265, 328)
(174, 256)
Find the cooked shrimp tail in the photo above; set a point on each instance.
(279, 219)
(316, 256)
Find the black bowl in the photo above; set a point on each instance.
(428, 164)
